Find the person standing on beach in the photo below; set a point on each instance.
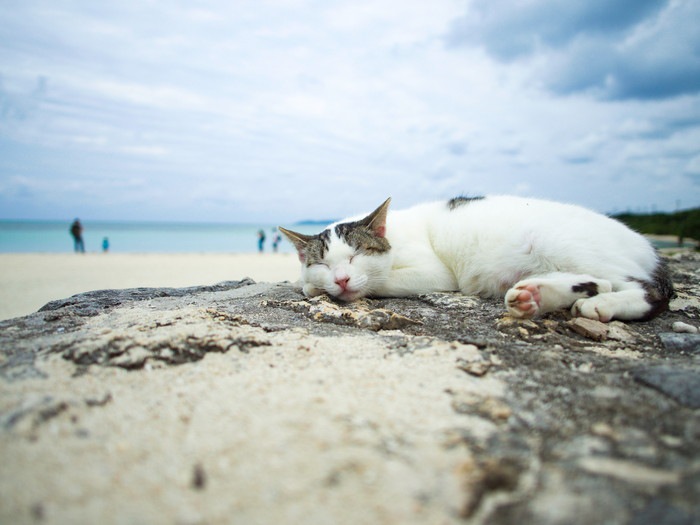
(76, 230)
(261, 240)
(276, 239)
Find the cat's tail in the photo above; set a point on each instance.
(658, 290)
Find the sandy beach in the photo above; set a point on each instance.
(29, 281)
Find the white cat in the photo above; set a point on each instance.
(540, 255)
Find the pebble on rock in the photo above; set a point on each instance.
(684, 328)
(589, 328)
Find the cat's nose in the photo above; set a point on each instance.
(342, 282)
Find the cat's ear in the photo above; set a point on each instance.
(376, 221)
(299, 240)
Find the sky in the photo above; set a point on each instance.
(278, 111)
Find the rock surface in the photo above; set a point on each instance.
(248, 403)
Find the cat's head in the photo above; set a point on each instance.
(348, 260)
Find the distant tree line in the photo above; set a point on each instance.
(683, 224)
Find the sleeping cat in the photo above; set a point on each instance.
(539, 255)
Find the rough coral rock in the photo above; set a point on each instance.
(250, 403)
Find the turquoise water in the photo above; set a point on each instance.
(53, 237)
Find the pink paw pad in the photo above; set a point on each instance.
(528, 298)
(524, 301)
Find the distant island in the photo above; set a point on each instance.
(683, 224)
(316, 222)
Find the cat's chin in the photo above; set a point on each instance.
(349, 296)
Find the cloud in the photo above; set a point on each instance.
(457, 148)
(294, 109)
(692, 169)
(509, 31)
(660, 127)
(151, 96)
(583, 151)
(632, 49)
(21, 106)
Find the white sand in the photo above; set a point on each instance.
(29, 281)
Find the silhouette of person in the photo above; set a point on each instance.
(105, 245)
(276, 242)
(261, 240)
(76, 230)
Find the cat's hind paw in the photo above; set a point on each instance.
(542, 294)
(596, 308)
(523, 301)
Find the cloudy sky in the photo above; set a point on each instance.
(275, 111)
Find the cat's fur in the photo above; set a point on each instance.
(539, 255)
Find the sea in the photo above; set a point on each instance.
(134, 237)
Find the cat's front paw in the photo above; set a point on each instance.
(311, 291)
(523, 301)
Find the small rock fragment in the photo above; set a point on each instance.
(619, 332)
(589, 328)
(358, 314)
(603, 430)
(680, 342)
(681, 384)
(551, 325)
(629, 471)
(488, 407)
(475, 368)
(381, 319)
(684, 328)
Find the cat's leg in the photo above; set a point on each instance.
(626, 305)
(430, 277)
(546, 293)
(632, 300)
